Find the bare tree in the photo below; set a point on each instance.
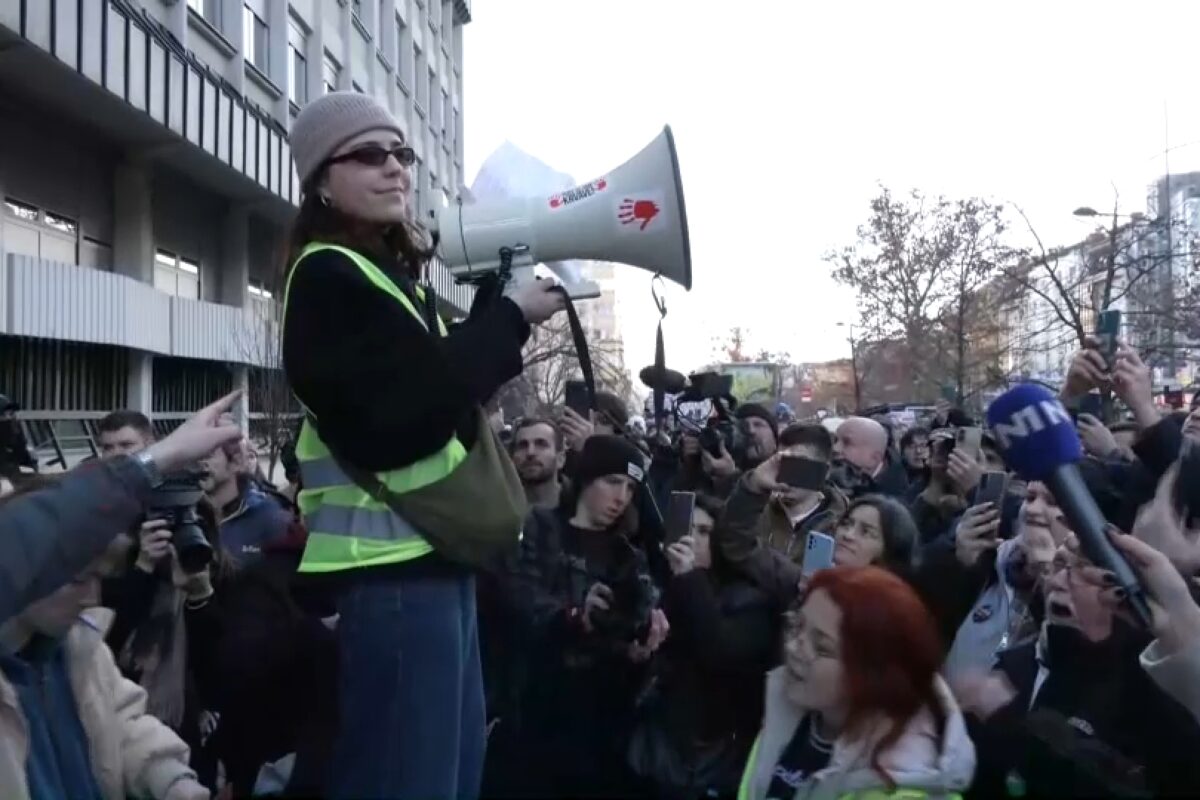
(273, 407)
(917, 267)
(550, 361)
(1123, 263)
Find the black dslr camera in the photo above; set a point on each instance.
(628, 616)
(175, 501)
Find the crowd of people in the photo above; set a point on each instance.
(952, 647)
(432, 609)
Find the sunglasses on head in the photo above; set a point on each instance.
(375, 156)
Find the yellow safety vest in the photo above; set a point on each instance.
(347, 528)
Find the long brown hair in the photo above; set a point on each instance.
(407, 245)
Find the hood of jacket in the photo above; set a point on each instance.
(920, 760)
(775, 526)
(131, 752)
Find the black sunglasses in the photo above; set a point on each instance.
(375, 156)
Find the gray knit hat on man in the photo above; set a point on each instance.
(330, 121)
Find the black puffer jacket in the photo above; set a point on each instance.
(1086, 722)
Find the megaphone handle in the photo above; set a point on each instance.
(581, 346)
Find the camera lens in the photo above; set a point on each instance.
(191, 546)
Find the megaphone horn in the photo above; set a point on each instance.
(633, 215)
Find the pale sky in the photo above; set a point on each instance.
(787, 113)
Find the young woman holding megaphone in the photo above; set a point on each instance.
(404, 486)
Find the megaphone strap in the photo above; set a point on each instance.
(581, 346)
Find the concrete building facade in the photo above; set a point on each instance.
(146, 184)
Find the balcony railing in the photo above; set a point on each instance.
(49, 300)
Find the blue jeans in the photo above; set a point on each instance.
(411, 689)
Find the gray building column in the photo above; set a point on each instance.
(235, 257)
(133, 221)
(140, 384)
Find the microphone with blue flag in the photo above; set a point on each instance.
(1038, 439)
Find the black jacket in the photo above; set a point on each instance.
(1098, 725)
(581, 688)
(385, 391)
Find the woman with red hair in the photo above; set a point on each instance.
(858, 705)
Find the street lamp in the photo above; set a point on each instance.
(853, 364)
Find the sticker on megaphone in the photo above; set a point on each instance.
(635, 211)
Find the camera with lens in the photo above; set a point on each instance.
(628, 616)
(175, 502)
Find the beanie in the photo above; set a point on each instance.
(608, 455)
(747, 410)
(330, 121)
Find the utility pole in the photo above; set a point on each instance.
(1170, 292)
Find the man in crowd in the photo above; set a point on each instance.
(862, 462)
(123, 433)
(539, 455)
(250, 519)
(761, 429)
(792, 514)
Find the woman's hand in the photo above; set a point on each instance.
(978, 531)
(681, 556)
(1132, 383)
(964, 470)
(537, 300)
(1087, 371)
(1176, 617)
(575, 429)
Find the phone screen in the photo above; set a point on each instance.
(803, 473)
(678, 522)
(576, 398)
(1108, 330)
(818, 553)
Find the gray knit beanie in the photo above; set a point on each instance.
(330, 121)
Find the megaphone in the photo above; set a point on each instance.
(633, 215)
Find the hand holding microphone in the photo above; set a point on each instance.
(1039, 443)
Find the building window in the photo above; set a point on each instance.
(356, 9)
(61, 224)
(422, 85)
(434, 107)
(331, 70)
(354, 85)
(297, 64)
(404, 53)
(210, 10)
(254, 38)
(176, 275)
(258, 292)
(22, 211)
(445, 112)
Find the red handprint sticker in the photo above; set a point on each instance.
(631, 212)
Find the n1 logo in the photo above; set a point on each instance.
(1031, 420)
